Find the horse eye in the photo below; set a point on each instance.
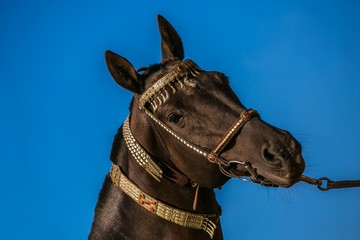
(174, 117)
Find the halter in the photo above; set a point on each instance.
(158, 93)
(154, 96)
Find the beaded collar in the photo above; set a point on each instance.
(138, 152)
(155, 206)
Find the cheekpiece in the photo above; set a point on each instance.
(158, 93)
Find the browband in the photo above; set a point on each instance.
(181, 70)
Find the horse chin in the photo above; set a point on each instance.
(265, 177)
(281, 177)
(284, 181)
(276, 180)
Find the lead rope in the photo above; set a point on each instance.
(325, 184)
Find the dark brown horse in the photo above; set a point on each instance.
(187, 133)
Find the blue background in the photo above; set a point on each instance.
(297, 62)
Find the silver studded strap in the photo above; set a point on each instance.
(177, 136)
(214, 155)
(138, 152)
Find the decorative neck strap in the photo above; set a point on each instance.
(140, 155)
(153, 205)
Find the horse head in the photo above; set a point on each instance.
(193, 122)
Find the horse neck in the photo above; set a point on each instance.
(179, 196)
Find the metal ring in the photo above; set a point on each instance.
(323, 181)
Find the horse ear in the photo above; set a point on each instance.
(171, 44)
(123, 72)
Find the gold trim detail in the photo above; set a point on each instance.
(240, 122)
(177, 216)
(182, 69)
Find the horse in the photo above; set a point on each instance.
(187, 133)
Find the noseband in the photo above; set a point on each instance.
(157, 94)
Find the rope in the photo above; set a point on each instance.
(325, 184)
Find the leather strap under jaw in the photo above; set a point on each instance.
(155, 206)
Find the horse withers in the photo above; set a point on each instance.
(187, 133)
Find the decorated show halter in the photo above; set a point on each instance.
(182, 70)
(153, 97)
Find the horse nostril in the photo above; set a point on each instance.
(268, 155)
(272, 157)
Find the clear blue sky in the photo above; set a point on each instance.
(296, 62)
